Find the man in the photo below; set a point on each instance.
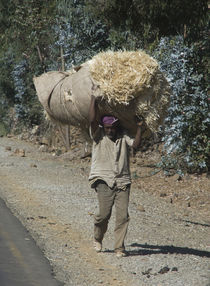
(110, 175)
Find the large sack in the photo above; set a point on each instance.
(129, 84)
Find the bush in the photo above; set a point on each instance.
(186, 126)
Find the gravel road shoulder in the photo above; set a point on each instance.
(168, 244)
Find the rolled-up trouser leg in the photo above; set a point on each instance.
(122, 217)
(106, 201)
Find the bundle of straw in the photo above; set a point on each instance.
(123, 75)
(127, 76)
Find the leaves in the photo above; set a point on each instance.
(186, 127)
(37, 36)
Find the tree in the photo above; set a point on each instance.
(144, 21)
(25, 44)
(187, 124)
(78, 32)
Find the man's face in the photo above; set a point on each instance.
(110, 131)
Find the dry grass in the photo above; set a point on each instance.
(124, 76)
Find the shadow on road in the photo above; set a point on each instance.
(196, 223)
(147, 249)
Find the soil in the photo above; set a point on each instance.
(168, 239)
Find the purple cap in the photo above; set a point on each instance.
(110, 120)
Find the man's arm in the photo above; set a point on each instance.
(137, 139)
(92, 114)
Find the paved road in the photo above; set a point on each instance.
(21, 261)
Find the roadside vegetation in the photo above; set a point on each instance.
(38, 36)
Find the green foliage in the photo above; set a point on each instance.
(3, 129)
(28, 28)
(23, 41)
(38, 36)
(187, 125)
(79, 34)
(148, 20)
(6, 84)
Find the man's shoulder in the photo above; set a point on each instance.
(123, 134)
(97, 135)
(128, 139)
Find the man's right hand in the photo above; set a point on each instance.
(139, 120)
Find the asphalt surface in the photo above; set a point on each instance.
(21, 262)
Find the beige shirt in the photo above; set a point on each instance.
(110, 160)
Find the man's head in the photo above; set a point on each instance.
(110, 124)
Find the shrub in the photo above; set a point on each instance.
(186, 126)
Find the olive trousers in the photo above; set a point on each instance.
(107, 197)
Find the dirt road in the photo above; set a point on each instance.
(169, 232)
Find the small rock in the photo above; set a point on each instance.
(35, 130)
(147, 271)
(33, 166)
(44, 141)
(87, 154)
(164, 270)
(9, 135)
(177, 177)
(140, 208)
(90, 213)
(162, 195)
(43, 148)
(8, 148)
(202, 203)
(30, 217)
(20, 152)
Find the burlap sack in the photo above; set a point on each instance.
(128, 84)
